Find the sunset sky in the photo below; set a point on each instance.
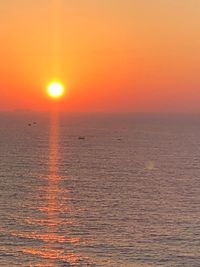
(111, 55)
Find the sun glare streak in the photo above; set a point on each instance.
(57, 19)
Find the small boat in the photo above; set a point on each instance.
(81, 137)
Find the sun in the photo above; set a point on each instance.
(55, 90)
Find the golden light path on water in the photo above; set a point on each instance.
(54, 251)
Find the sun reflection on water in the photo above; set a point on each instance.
(56, 242)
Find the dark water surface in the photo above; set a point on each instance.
(126, 195)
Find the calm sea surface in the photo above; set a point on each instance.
(99, 190)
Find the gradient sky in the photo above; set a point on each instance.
(112, 55)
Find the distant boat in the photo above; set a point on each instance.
(81, 137)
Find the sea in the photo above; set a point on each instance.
(118, 190)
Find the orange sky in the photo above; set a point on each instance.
(112, 55)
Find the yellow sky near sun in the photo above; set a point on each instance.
(113, 55)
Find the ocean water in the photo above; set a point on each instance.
(99, 190)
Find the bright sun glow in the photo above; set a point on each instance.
(55, 90)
